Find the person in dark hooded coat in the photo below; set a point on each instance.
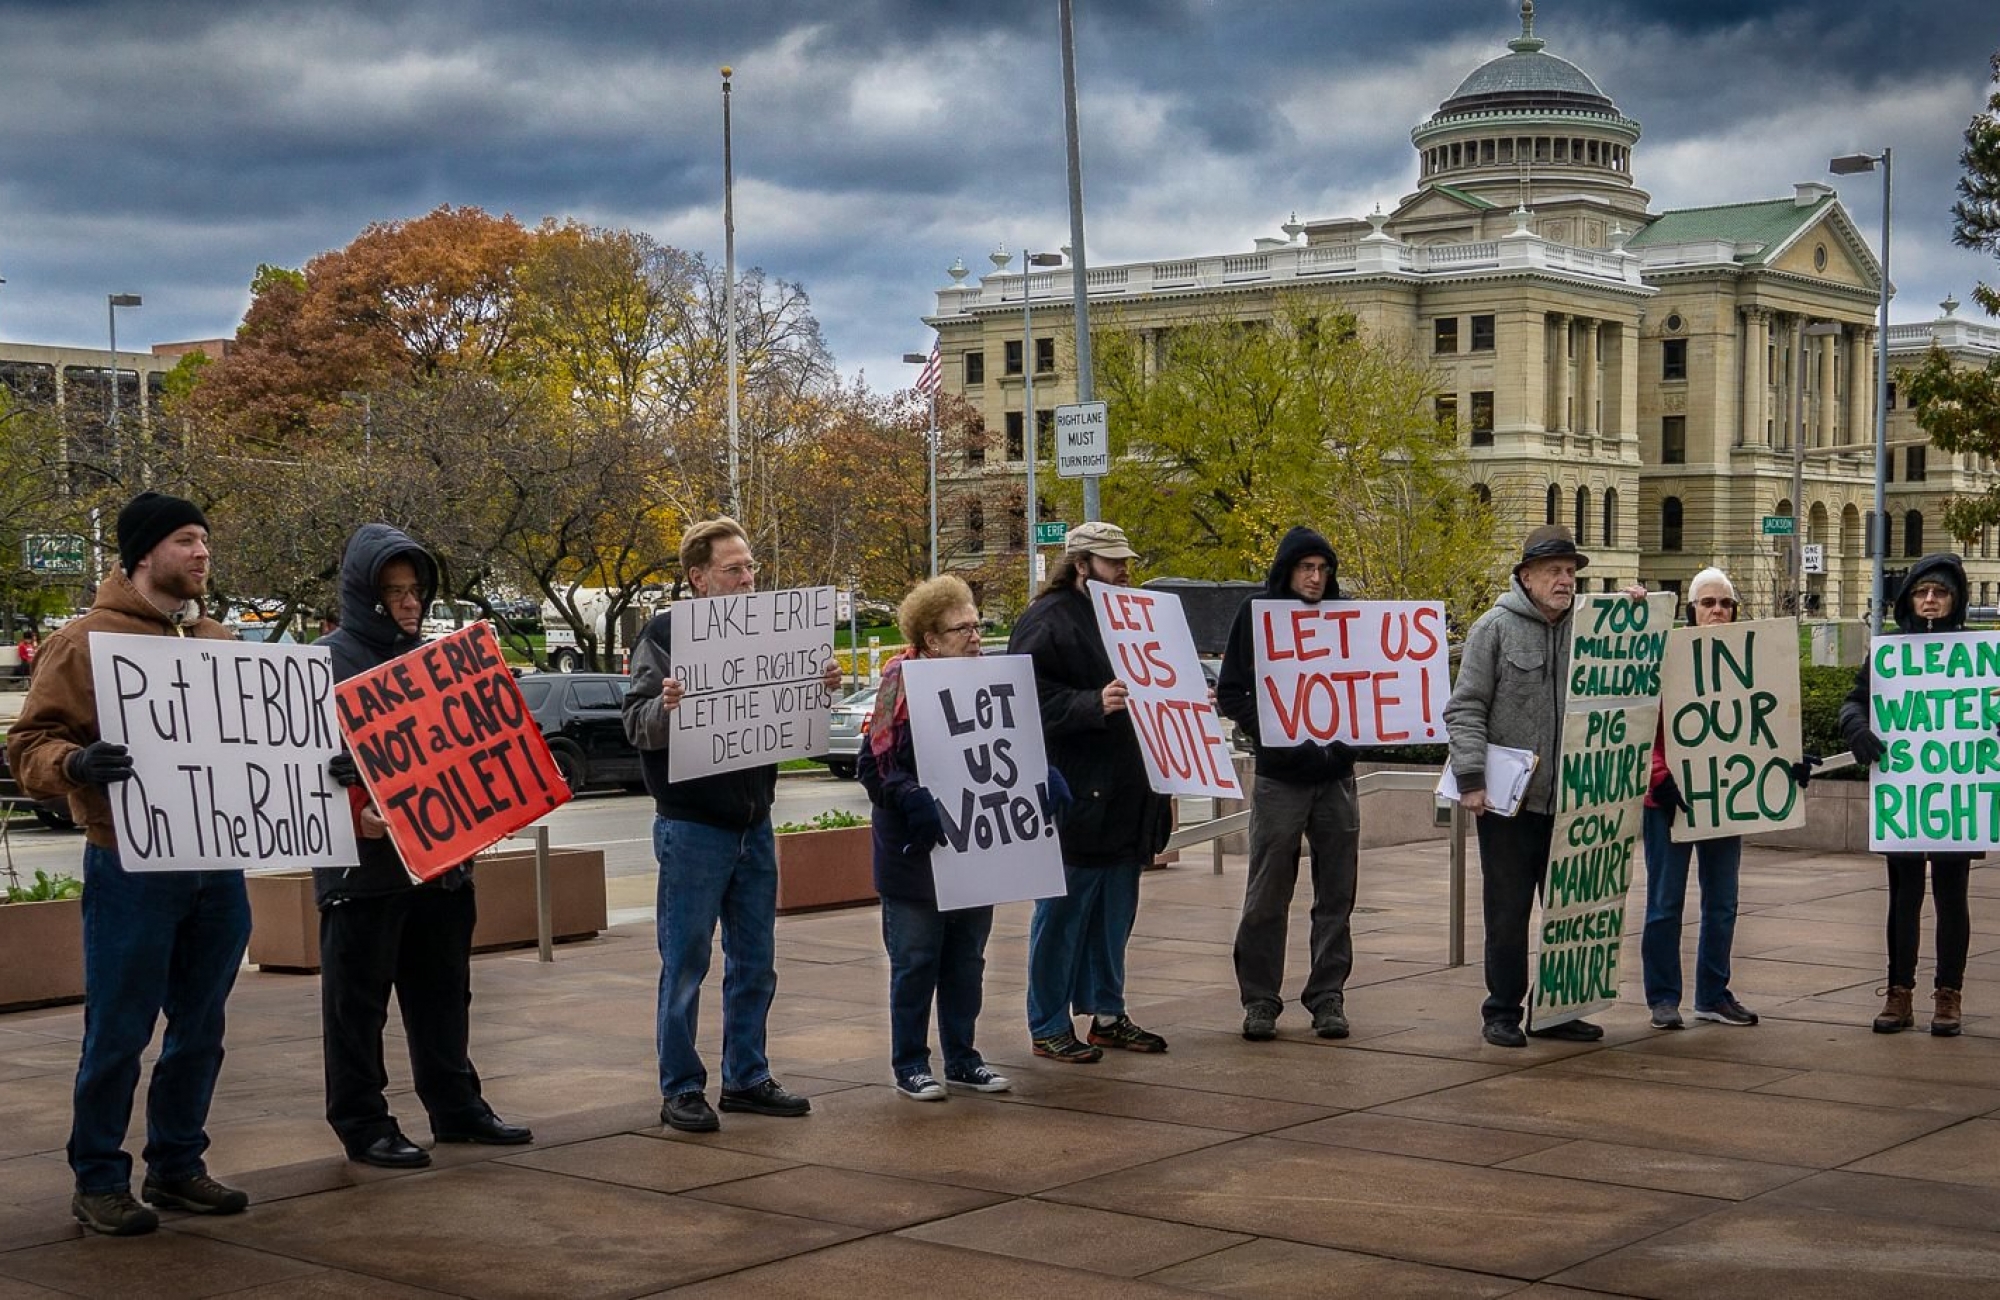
(1302, 790)
(378, 930)
(1932, 599)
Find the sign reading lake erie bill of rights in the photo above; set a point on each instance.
(1607, 757)
(750, 666)
(1935, 702)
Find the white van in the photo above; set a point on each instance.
(446, 616)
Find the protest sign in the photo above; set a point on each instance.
(1935, 702)
(978, 736)
(1607, 758)
(751, 668)
(448, 750)
(1363, 672)
(229, 745)
(1616, 646)
(1152, 652)
(1730, 697)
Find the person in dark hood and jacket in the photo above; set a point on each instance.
(1302, 790)
(379, 931)
(1932, 599)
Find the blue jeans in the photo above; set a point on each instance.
(934, 953)
(709, 874)
(1666, 897)
(153, 942)
(1076, 947)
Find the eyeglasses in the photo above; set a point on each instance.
(394, 594)
(1312, 569)
(747, 568)
(1716, 602)
(959, 629)
(1930, 593)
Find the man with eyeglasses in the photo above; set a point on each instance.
(1076, 943)
(380, 932)
(1302, 791)
(718, 864)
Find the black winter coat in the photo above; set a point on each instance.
(1236, 684)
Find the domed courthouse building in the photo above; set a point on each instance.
(1645, 377)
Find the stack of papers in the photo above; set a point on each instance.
(1508, 772)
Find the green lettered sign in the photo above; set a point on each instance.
(1051, 534)
(1780, 525)
(1730, 696)
(1935, 702)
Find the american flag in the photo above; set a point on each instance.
(933, 371)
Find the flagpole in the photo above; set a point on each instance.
(729, 314)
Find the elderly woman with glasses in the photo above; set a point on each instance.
(934, 956)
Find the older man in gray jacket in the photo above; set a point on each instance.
(1510, 691)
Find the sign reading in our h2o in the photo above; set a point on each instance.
(977, 731)
(751, 667)
(1934, 699)
(1730, 698)
(229, 743)
(1152, 652)
(1616, 646)
(1362, 672)
(1083, 441)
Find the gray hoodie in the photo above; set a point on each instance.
(1510, 691)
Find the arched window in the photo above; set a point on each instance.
(1582, 525)
(1482, 494)
(975, 527)
(1609, 536)
(1913, 533)
(1554, 504)
(1670, 524)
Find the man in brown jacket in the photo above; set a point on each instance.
(153, 941)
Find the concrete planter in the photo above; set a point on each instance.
(41, 954)
(1836, 821)
(823, 869)
(284, 923)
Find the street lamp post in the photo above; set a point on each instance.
(930, 453)
(113, 301)
(1850, 165)
(1030, 438)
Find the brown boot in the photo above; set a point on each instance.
(1944, 1021)
(1897, 1013)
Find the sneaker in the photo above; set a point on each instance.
(920, 1087)
(1260, 1024)
(766, 1098)
(1064, 1047)
(1570, 1031)
(1503, 1033)
(1727, 1012)
(1667, 1016)
(1123, 1033)
(977, 1079)
(689, 1112)
(1330, 1021)
(197, 1193)
(115, 1214)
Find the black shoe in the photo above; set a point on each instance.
(1504, 1033)
(392, 1152)
(115, 1214)
(1570, 1031)
(489, 1130)
(689, 1112)
(197, 1193)
(1330, 1021)
(766, 1098)
(1260, 1024)
(1667, 1016)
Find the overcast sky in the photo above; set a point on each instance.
(167, 149)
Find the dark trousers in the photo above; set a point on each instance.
(1949, 873)
(1328, 815)
(934, 957)
(418, 943)
(1513, 859)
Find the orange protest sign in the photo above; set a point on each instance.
(448, 750)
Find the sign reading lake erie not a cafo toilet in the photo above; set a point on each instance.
(1934, 699)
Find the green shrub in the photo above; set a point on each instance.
(833, 819)
(46, 889)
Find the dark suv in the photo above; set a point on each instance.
(580, 716)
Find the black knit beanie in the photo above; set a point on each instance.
(149, 519)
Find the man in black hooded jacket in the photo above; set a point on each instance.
(1302, 790)
(379, 931)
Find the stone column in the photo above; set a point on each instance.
(1757, 379)
(1824, 437)
(1586, 415)
(1559, 358)
(1858, 412)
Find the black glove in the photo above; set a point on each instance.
(342, 769)
(1667, 797)
(101, 762)
(1060, 798)
(1803, 769)
(1339, 759)
(920, 814)
(1866, 746)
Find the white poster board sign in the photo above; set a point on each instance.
(978, 734)
(1180, 733)
(229, 742)
(1730, 697)
(1934, 699)
(1363, 672)
(751, 667)
(1616, 647)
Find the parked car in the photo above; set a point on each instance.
(581, 717)
(847, 731)
(51, 813)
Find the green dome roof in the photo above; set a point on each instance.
(1526, 80)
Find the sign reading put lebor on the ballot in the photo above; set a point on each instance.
(229, 744)
(1362, 672)
(1181, 736)
(1730, 698)
(751, 667)
(1935, 702)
